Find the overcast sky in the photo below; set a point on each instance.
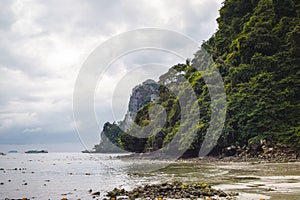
(43, 45)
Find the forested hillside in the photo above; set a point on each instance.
(256, 49)
(259, 42)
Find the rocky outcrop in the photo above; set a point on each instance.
(266, 150)
(141, 95)
(175, 190)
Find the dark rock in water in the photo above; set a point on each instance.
(96, 193)
(223, 194)
(87, 151)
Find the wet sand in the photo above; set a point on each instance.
(252, 180)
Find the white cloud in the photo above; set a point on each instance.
(32, 130)
(25, 23)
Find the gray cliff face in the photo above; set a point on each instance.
(141, 95)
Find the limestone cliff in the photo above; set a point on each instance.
(141, 95)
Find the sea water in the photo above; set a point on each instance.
(58, 175)
(73, 175)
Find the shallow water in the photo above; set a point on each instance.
(72, 175)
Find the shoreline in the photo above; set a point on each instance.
(209, 159)
(262, 153)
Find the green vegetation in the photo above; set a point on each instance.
(110, 137)
(262, 70)
(257, 52)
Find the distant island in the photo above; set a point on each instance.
(36, 151)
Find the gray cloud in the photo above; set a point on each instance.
(44, 43)
(6, 16)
